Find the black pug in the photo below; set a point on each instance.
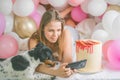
(23, 65)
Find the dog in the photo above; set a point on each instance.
(22, 66)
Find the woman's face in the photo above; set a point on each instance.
(52, 31)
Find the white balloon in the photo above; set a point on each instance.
(23, 7)
(85, 28)
(108, 19)
(116, 28)
(74, 32)
(13, 34)
(100, 35)
(9, 23)
(113, 1)
(84, 6)
(23, 44)
(41, 9)
(59, 4)
(6, 6)
(97, 7)
(98, 26)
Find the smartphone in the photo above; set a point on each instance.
(77, 64)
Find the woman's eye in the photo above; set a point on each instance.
(59, 30)
(50, 30)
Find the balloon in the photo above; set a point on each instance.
(22, 43)
(113, 1)
(114, 54)
(23, 7)
(58, 4)
(97, 7)
(77, 14)
(2, 24)
(98, 26)
(36, 17)
(113, 7)
(85, 27)
(41, 10)
(44, 1)
(9, 23)
(13, 34)
(74, 32)
(84, 6)
(13, 1)
(24, 26)
(6, 7)
(8, 46)
(115, 30)
(108, 19)
(75, 2)
(100, 35)
(105, 47)
(36, 3)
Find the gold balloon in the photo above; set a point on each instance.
(113, 7)
(24, 26)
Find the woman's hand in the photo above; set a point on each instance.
(62, 71)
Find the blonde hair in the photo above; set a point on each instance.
(48, 16)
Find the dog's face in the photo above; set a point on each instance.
(42, 53)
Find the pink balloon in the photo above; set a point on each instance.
(8, 46)
(13, 1)
(105, 48)
(36, 3)
(77, 14)
(112, 66)
(2, 23)
(114, 54)
(36, 17)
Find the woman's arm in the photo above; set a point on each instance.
(67, 48)
(61, 71)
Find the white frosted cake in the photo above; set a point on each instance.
(92, 51)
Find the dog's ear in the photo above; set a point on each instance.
(44, 54)
(19, 63)
(34, 52)
(31, 52)
(40, 45)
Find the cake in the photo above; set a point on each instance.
(92, 51)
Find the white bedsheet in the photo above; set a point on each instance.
(105, 74)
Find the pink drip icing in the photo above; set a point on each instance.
(85, 45)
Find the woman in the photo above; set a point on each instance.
(53, 34)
